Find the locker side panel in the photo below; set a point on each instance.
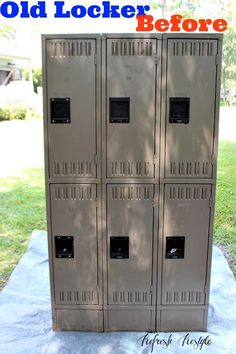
(185, 244)
(130, 243)
(74, 215)
(190, 108)
(71, 101)
(131, 96)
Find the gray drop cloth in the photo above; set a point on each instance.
(25, 317)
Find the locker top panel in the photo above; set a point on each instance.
(217, 36)
(70, 36)
(164, 36)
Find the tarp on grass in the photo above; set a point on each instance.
(25, 316)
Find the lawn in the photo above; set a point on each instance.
(22, 209)
(225, 216)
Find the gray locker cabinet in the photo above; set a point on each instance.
(131, 103)
(130, 127)
(130, 215)
(74, 214)
(190, 107)
(186, 215)
(72, 125)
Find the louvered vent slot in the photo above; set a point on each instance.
(71, 296)
(190, 169)
(72, 169)
(131, 193)
(131, 48)
(201, 49)
(188, 193)
(184, 297)
(131, 168)
(73, 192)
(134, 297)
(65, 49)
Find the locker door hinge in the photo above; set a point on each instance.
(95, 59)
(96, 202)
(217, 59)
(212, 159)
(155, 159)
(96, 159)
(205, 292)
(156, 59)
(154, 203)
(151, 289)
(210, 203)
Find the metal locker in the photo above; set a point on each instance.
(74, 234)
(131, 81)
(190, 107)
(130, 240)
(71, 107)
(185, 241)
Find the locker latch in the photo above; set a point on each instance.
(119, 109)
(60, 110)
(179, 110)
(64, 246)
(119, 247)
(175, 247)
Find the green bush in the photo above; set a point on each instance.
(14, 112)
(18, 113)
(5, 114)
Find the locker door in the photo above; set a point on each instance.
(186, 231)
(129, 239)
(131, 83)
(74, 233)
(190, 114)
(71, 97)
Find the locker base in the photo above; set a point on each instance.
(178, 320)
(129, 320)
(78, 320)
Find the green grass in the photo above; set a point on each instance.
(22, 209)
(225, 216)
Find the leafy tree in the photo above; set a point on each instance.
(7, 32)
(185, 8)
(37, 77)
(218, 9)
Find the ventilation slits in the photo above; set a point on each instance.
(189, 193)
(190, 169)
(130, 168)
(196, 48)
(74, 296)
(72, 169)
(71, 192)
(131, 193)
(134, 297)
(184, 297)
(131, 48)
(70, 48)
